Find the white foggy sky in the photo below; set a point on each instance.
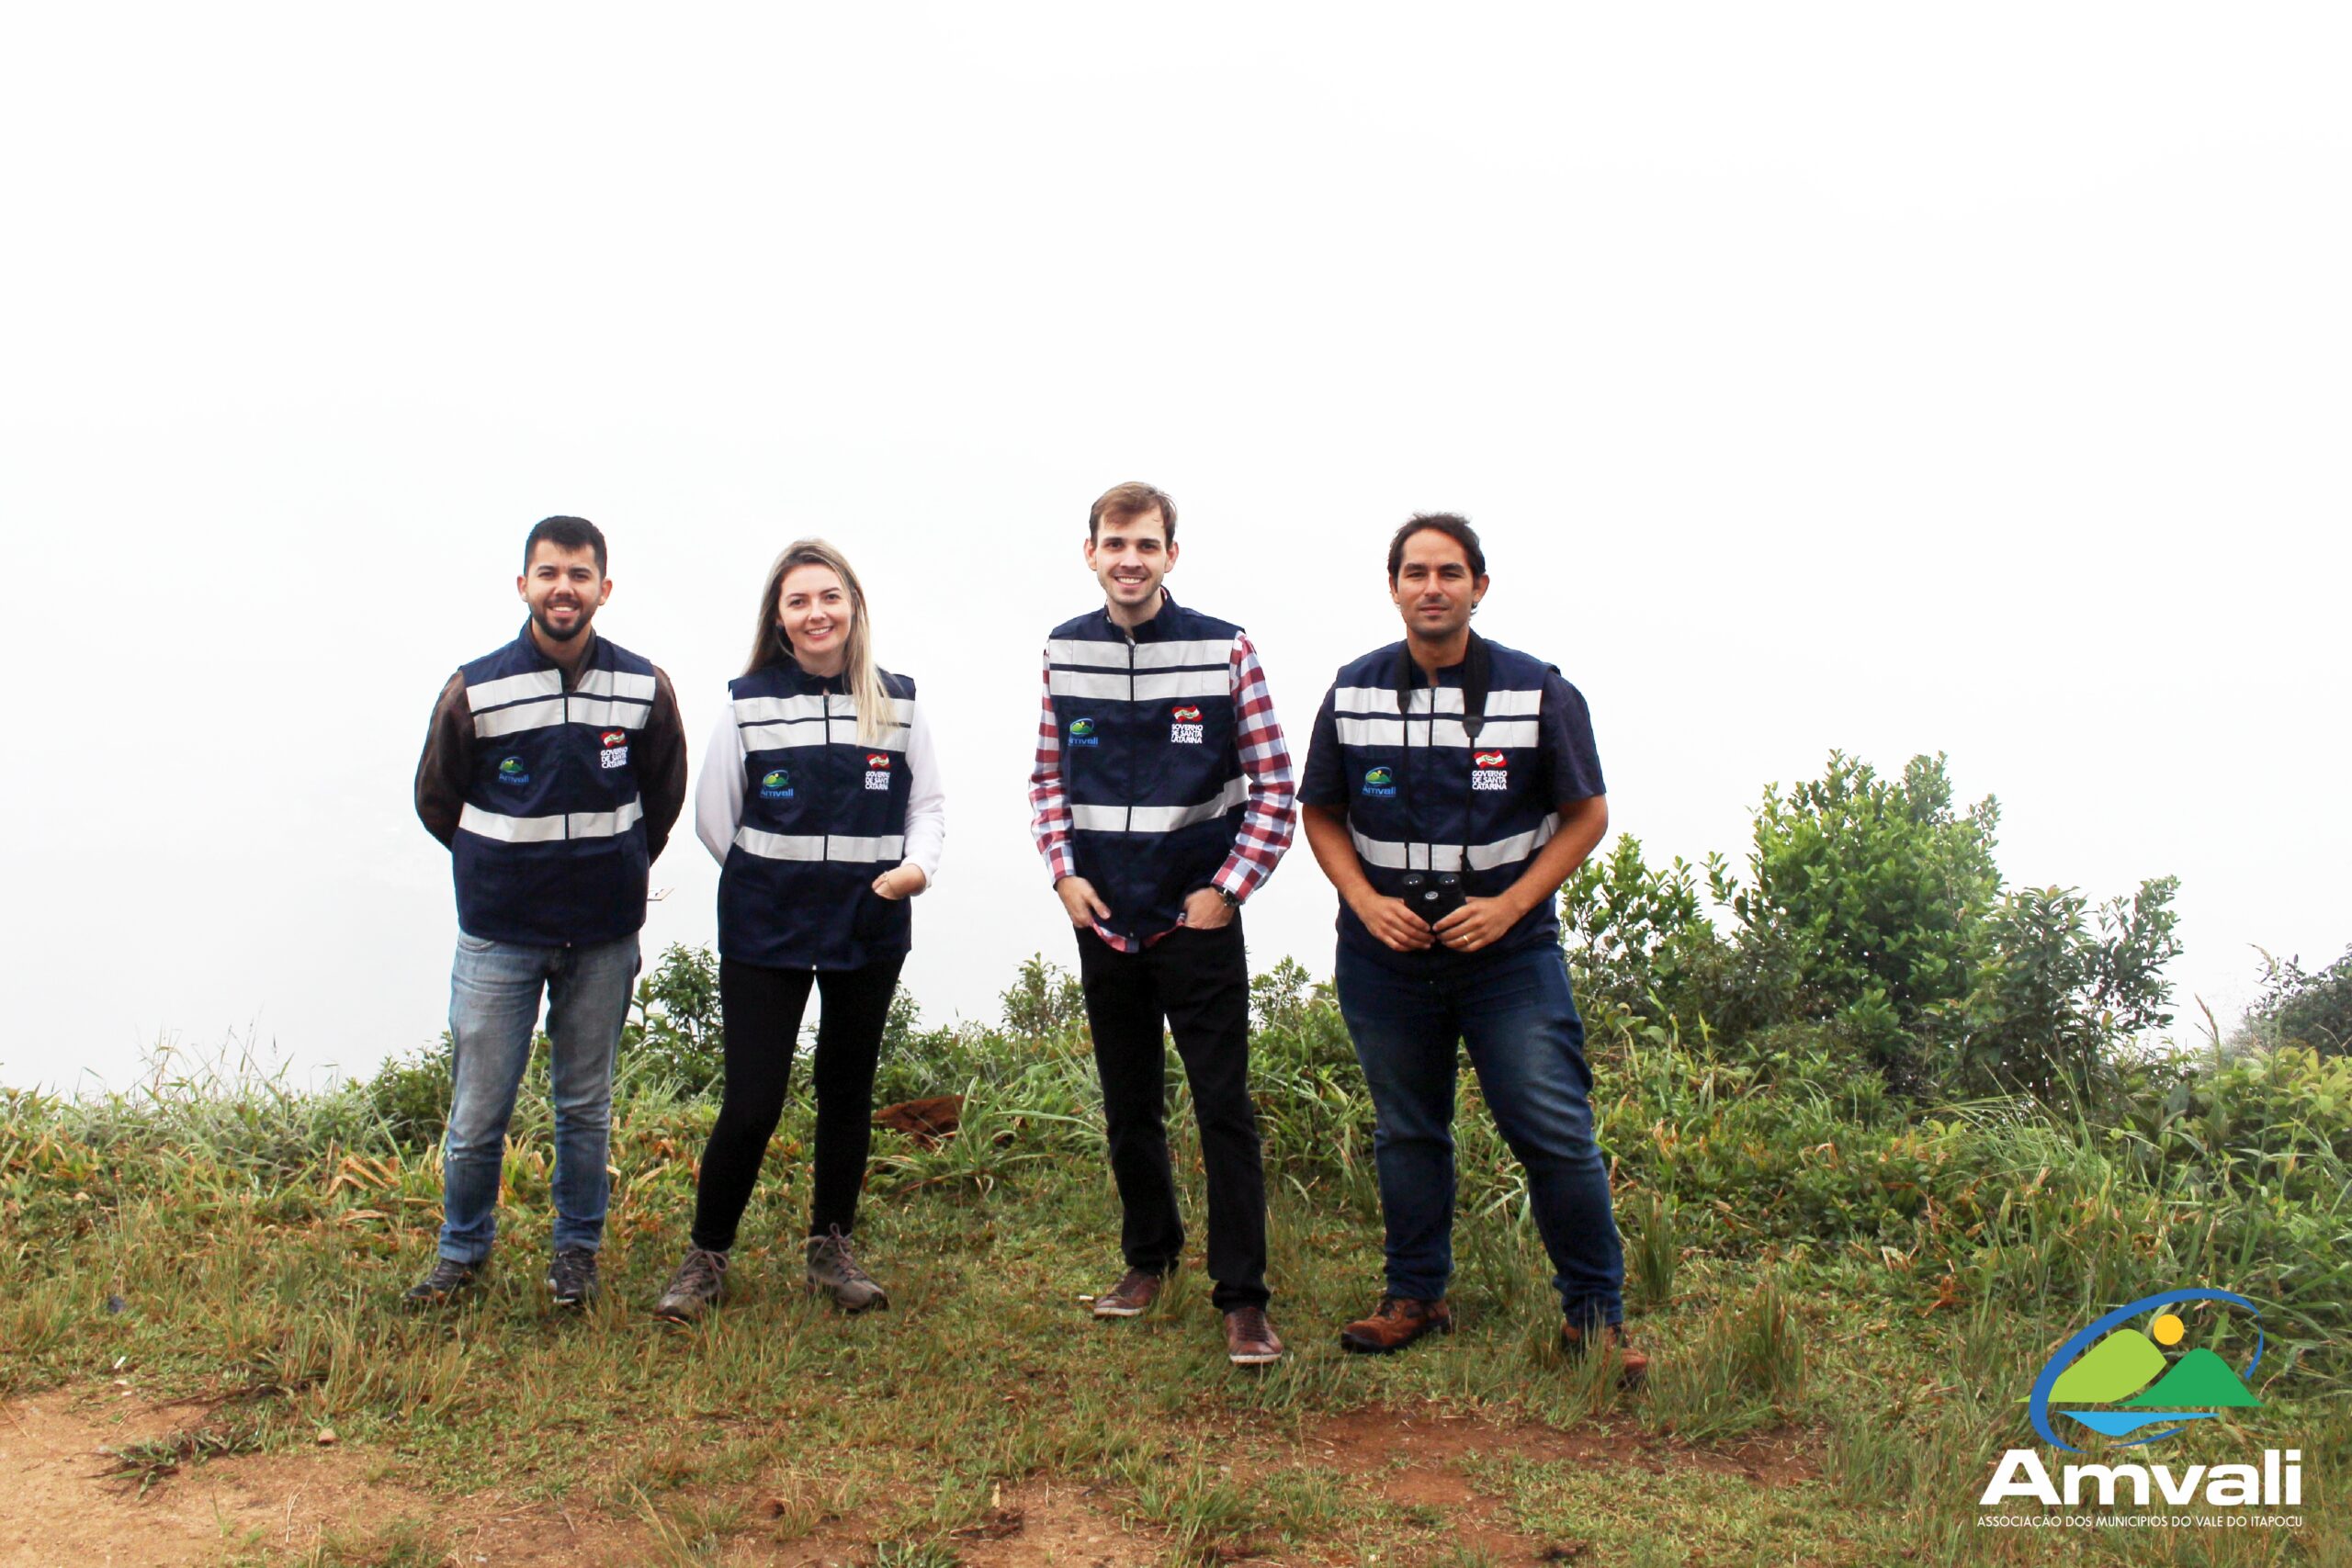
(1820, 377)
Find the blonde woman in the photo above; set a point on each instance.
(820, 799)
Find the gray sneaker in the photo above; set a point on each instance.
(699, 1285)
(834, 1271)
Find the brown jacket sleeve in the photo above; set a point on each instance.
(662, 766)
(448, 762)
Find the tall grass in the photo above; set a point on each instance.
(1806, 1254)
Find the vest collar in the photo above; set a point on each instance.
(790, 669)
(1159, 628)
(1477, 672)
(538, 656)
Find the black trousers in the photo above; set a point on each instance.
(1199, 982)
(760, 1011)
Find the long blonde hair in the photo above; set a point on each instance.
(860, 673)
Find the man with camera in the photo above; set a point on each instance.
(1452, 785)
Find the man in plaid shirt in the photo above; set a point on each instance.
(1160, 799)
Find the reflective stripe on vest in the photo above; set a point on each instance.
(1159, 818)
(608, 699)
(549, 829)
(1442, 732)
(1383, 699)
(1166, 655)
(775, 724)
(889, 847)
(1396, 856)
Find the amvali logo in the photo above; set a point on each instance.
(2115, 1379)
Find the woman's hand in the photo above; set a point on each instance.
(902, 881)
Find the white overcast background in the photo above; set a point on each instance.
(1877, 377)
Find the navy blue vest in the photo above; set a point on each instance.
(550, 848)
(824, 814)
(1150, 761)
(1423, 796)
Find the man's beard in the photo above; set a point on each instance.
(540, 619)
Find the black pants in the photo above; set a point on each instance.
(1199, 982)
(760, 1011)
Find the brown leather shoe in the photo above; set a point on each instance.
(1631, 1365)
(1136, 1290)
(1395, 1323)
(1249, 1339)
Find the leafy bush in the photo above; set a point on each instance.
(2300, 1008)
(2050, 999)
(1630, 929)
(410, 1097)
(1872, 912)
(1877, 891)
(673, 1036)
(1045, 1000)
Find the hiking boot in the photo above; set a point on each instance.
(571, 1277)
(699, 1285)
(1249, 1339)
(834, 1271)
(1395, 1323)
(1631, 1365)
(448, 1281)
(1137, 1289)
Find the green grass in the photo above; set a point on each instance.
(1863, 1292)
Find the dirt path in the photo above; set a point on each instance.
(63, 1501)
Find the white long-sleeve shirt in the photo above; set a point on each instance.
(718, 798)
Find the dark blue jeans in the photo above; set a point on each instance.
(1518, 1017)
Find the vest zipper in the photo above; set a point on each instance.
(1128, 633)
(563, 756)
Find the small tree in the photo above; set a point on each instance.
(1876, 890)
(673, 1034)
(2053, 998)
(1623, 925)
(2300, 1007)
(1045, 1000)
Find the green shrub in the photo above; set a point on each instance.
(1872, 912)
(410, 1095)
(1045, 1000)
(1629, 927)
(1877, 891)
(2050, 1000)
(2301, 1007)
(673, 1036)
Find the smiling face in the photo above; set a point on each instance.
(815, 613)
(1129, 556)
(1434, 589)
(564, 590)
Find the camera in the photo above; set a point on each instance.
(1433, 895)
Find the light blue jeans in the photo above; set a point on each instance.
(495, 989)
